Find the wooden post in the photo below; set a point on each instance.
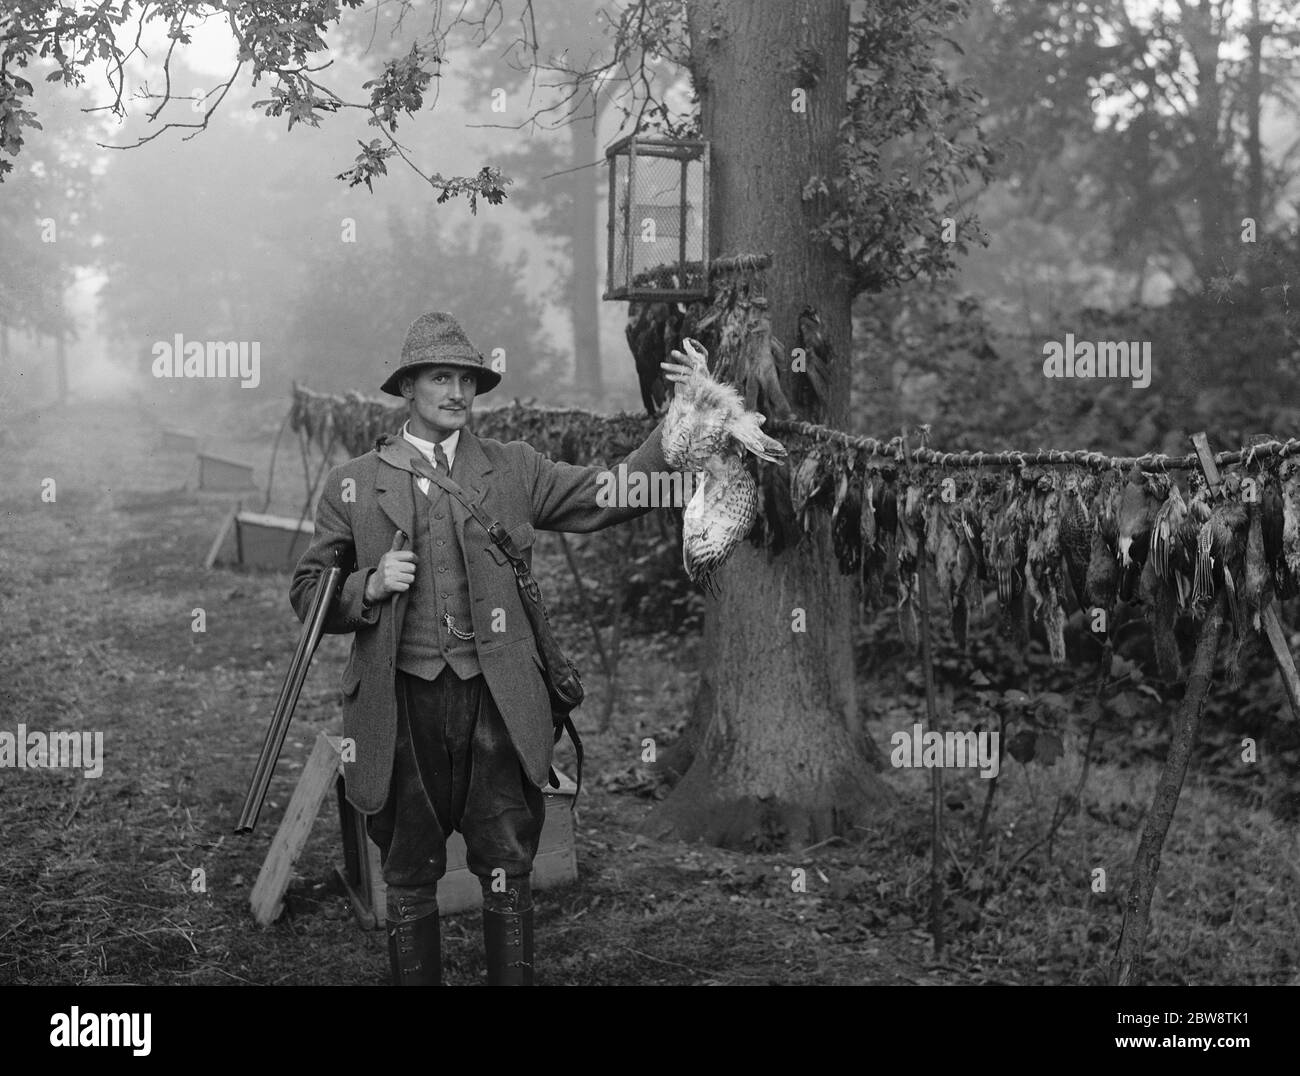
(222, 533)
(1146, 865)
(932, 719)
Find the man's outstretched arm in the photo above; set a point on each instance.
(568, 498)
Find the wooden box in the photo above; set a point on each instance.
(226, 475)
(179, 441)
(264, 541)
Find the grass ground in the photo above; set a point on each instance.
(99, 590)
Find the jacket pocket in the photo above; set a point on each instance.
(350, 681)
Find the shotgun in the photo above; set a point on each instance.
(312, 628)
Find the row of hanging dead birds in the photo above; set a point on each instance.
(1030, 533)
(1035, 532)
(352, 422)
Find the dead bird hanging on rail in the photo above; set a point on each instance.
(708, 429)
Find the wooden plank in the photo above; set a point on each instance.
(1202, 445)
(220, 539)
(555, 868)
(1282, 654)
(360, 873)
(283, 523)
(361, 906)
(347, 824)
(372, 872)
(273, 880)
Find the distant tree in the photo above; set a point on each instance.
(556, 158)
(1139, 122)
(46, 216)
(557, 79)
(355, 303)
(184, 250)
(281, 41)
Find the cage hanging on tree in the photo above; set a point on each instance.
(658, 219)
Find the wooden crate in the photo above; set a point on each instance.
(220, 474)
(263, 541)
(555, 864)
(179, 441)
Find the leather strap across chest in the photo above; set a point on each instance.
(495, 530)
(534, 608)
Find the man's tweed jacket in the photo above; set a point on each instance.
(363, 504)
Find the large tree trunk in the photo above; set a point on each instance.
(783, 760)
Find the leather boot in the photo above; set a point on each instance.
(508, 933)
(414, 936)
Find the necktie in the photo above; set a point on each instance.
(440, 458)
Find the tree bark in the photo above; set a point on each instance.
(783, 761)
(676, 759)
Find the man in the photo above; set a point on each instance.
(443, 692)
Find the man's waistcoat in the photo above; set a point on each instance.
(441, 587)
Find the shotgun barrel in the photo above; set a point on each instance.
(312, 629)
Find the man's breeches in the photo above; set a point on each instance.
(454, 768)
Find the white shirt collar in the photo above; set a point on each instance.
(426, 447)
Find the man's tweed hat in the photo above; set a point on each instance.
(437, 339)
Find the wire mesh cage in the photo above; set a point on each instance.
(658, 219)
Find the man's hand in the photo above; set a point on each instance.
(395, 573)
